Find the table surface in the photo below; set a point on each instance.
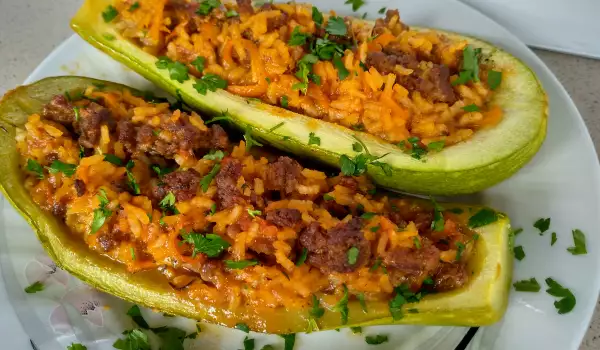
(30, 30)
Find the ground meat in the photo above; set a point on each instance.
(433, 84)
(59, 208)
(111, 239)
(284, 217)
(274, 23)
(335, 209)
(449, 277)
(245, 7)
(263, 245)
(79, 187)
(349, 182)
(88, 126)
(126, 135)
(227, 192)
(59, 110)
(328, 250)
(411, 265)
(283, 175)
(120, 185)
(381, 24)
(219, 138)
(183, 184)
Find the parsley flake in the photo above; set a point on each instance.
(289, 340)
(243, 327)
(567, 300)
(254, 213)
(313, 139)
(353, 255)
(302, 257)
(207, 6)
(34, 287)
(342, 306)
(436, 146)
(101, 213)
(111, 158)
(356, 4)
(240, 264)
(316, 311)
(207, 179)
(530, 285)
(342, 71)
(76, 346)
(579, 240)
(542, 224)
(134, 6)
(494, 79)
(356, 147)
(381, 10)
(317, 16)
(336, 26)
(483, 217)
(438, 222)
(209, 82)
(553, 239)
(284, 101)
(134, 339)
(198, 63)
(471, 108)
(298, 38)
(250, 140)
(136, 315)
(210, 244)
(36, 168)
(109, 13)
(231, 13)
(376, 339)
(519, 253)
(361, 300)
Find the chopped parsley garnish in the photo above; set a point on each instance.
(250, 141)
(34, 287)
(460, 248)
(109, 13)
(412, 311)
(579, 240)
(284, 101)
(471, 108)
(213, 209)
(302, 258)
(342, 306)
(111, 158)
(313, 139)
(483, 217)
(470, 66)
(375, 265)
(356, 147)
(254, 213)
(367, 215)
(364, 15)
(353, 255)
(210, 244)
(161, 171)
(416, 150)
(381, 10)
(530, 285)
(207, 179)
(438, 222)
(207, 6)
(172, 338)
(289, 340)
(336, 26)
(276, 127)
(325, 48)
(248, 343)
(356, 330)
(337, 62)
(132, 252)
(77, 114)
(317, 16)
(356, 4)
(567, 300)
(417, 242)
(177, 70)
(198, 63)
(214, 155)
(542, 224)
(243, 327)
(209, 82)
(168, 203)
(135, 187)
(328, 197)
(76, 346)
(358, 165)
(231, 13)
(241, 264)
(36, 168)
(224, 116)
(81, 152)
(553, 239)
(516, 231)
(519, 253)
(494, 79)
(134, 339)
(59, 167)
(361, 300)
(428, 280)
(375, 228)
(316, 311)
(376, 339)
(101, 213)
(403, 296)
(134, 6)
(136, 315)
(436, 146)
(297, 38)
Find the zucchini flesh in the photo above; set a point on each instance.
(487, 158)
(481, 301)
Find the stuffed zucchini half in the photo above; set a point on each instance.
(440, 113)
(152, 204)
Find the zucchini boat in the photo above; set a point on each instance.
(313, 92)
(124, 193)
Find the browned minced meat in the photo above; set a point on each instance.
(91, 120)
(412, 265)
(283, 175)
(111, 239)
(126, 135)
(434, 84)
(184, 137)
(245, 7)
(449, 277)
(274, 23)
(183, 184)
(328, 250)
(422, 219)
(59, 110)
(79, 187)
(284, 217)
(381, 23)
(227, 192)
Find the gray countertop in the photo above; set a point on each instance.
(30, 30)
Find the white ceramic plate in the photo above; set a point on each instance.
(561, 183)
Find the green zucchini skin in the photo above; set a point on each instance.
(481, 302)
(489, 157)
